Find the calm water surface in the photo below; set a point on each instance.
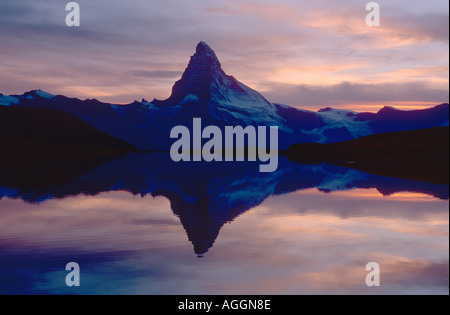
(207, 232)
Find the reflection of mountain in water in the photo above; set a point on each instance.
(206, 196)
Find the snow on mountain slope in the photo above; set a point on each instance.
(326, 125)
(44, 94)
(6, 100)
(342, 119)
(248, 107)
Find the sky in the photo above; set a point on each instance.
(308, 54)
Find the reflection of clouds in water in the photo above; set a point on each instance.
(89, 222)
(304, 242)
(334, 249)
(402, 276)
(360, 203)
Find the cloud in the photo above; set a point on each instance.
(156, 74)
(299, 46)
(12, 10)
(354, 93)
(420, 27)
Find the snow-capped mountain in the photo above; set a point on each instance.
(221, 96)
(207, 92)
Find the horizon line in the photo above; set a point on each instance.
(369, 107)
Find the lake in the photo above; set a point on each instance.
(142, 224)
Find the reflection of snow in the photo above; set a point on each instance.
(346, 180)
(245, 192)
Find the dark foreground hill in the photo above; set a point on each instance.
(42, 143)
(419, 154)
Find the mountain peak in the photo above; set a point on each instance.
(219, 96)
(205, 59)
(203, 48)
(202, 70)
(387, 109)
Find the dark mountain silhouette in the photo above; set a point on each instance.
(207, 92)
(45, 146)
(418, 154)
(389, 119)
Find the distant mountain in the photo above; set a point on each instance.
(206, 91)
(416, 154)
(39, 143)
